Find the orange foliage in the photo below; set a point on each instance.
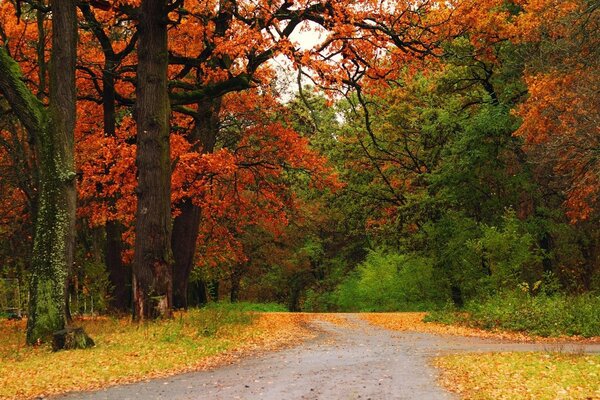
(234, 187)
(561, 116)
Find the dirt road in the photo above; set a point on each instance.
(350, 361)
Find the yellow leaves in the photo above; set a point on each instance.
(127, 352)
(521, 376)
(413, 321)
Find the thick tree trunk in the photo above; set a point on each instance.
(187, 224)
(197, 294)
(52, 131)
(152, 264)
(54, 241)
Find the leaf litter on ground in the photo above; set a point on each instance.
(126, 352)
(413, 321)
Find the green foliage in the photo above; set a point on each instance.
(387, 281)
(543, 315)
(214, 317)
(93, 287)
(508, 252)
(481, 259)
(447, 245)
(11, 300)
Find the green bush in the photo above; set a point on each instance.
(388, 281)
(543, 315)
(319, 301)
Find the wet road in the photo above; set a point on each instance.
(354, 361)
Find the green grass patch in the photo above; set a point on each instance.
(247, 306)
(542, 315)
(539, 376)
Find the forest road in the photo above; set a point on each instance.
(345, 361)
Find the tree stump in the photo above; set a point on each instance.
(71, 338)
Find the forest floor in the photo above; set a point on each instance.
(388, 356)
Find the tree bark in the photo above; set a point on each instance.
(52, 132)
(185, 233)
(235, 280)
(152, 264)
(119, 275)
(187, 224)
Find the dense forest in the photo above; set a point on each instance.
(325, 155)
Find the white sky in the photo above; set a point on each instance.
(303, 37)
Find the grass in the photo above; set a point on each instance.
(542, 315)
(536, 376)
(247, 306)
(127, 352)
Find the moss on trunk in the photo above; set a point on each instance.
(52, 130)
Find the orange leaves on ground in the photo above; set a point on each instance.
(534, 376)
(160, 349)
(413, 321)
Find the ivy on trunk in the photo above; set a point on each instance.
(52, 132)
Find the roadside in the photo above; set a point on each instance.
(223, 354)
(126, 352)
(349, 359)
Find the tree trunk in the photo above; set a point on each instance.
(52, 132)
(119, 275)
(152, 263)
(187, 223)
(199, 295)
(236, 278)
(185, 233)
(213, 290)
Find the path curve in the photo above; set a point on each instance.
(350, 361)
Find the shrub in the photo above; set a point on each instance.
(388, 281)
(543, 315)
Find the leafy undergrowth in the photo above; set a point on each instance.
(521, 376)
(556, 315)
(126, 352)
(413, 321)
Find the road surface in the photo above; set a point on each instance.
(353, 361)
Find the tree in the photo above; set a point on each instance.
(153, 260)
(110, 36)
(561, 114)
(52, 131)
